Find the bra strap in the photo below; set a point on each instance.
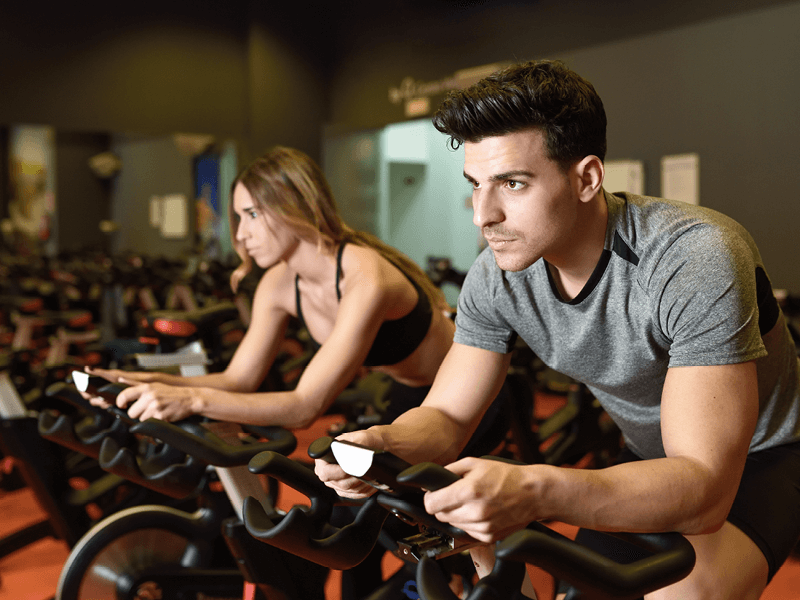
(339, 270)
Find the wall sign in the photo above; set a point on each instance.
(416, 95)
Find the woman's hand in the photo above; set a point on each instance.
(113, 376)
(158, 400)
(334, 477)
(491, 500)
(117, 375)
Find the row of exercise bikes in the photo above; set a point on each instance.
(188, 510)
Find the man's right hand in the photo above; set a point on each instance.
(334, 477)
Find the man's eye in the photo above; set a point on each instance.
(514, 185)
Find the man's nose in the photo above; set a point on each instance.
(486, 209)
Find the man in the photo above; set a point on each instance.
(663, 309)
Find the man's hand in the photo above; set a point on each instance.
(334, 477)
(491, 500)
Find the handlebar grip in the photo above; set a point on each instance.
(195, 440)
(119, 413)
(321, 448)
(292, 473)
(671, 558)
(283, 440)
(70, 394)
(427, 475)
(177, 480)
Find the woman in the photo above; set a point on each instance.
(365, 303)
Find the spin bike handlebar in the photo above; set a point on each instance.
(307, 533)
(192, 438)
(84, 437)
(671, 558)
(177, 467)
(201, 443)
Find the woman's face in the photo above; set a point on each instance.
(265, 238)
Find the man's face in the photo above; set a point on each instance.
(523, 202)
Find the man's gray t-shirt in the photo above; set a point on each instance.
(677, 285)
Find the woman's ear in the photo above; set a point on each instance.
(589, 177)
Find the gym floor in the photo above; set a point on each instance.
(32, 572)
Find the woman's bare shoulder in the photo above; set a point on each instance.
(276, 288)
(369, 264)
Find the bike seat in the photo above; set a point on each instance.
(26, 305)
(71, 319)
(186, 323)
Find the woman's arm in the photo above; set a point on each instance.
(253, 357)
(365, 300)
(173, 397)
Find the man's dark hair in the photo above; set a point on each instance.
(543, 95)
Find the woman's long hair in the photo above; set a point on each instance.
(293, 188)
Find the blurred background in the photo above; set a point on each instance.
(354, 84)
(123, 125)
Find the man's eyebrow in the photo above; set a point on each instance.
(510, 175)
(503, 176)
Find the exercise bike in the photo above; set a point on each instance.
(308, 532)
(158, 551)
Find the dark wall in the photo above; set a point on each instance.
(381, 44)
(724, 84)
(151, 166)
(5, 191)
(288, 59)
(718, 77)
(154, 67)
(728, 90)
(203, 66)
(83, 198)
(232, 69)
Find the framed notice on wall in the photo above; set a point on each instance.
(680, 177)
(624, 176)
(174, 216)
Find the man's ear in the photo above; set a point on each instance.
(589, 174)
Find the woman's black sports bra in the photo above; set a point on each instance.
(396, 339)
